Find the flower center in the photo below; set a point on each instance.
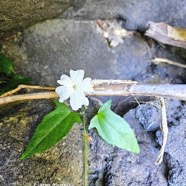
(74, 86)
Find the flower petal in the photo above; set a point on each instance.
(64, 92)
(87, 85)
(66, 81)
(78, 99)
(77, 76)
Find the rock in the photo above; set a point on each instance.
(175, 153)
(176, 112)
(119, 167)
(60, 165)
(17, 15)
(136, 13)
(175, 148)
(52, 48)
(149, 116)
(45, 51)
(174, 160)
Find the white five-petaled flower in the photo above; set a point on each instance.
(74, 87)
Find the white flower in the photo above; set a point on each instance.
(74, 87)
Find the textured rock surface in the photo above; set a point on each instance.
(16, 15)
(55, 47)
(176, 143)
(60, 165)
(149, 116)
(111, 166)
(175, 149)
(136, 13)
(45, 51)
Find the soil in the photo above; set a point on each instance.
(49, 49)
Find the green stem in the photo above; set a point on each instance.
(84, 151)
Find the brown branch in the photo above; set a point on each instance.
(164, 131)
(162, 60)
(167, 34)
(26, 87)
(112, 88)
(27, 97)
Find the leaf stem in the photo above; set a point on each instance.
(84, 150)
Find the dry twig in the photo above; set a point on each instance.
(162, 60)
(109, 88)
(27, 97)
(167, 34)
(26, 87)
(164, 128)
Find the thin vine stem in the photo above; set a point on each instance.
(84, 149)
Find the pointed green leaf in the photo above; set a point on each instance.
(51, 130)
(114, 129)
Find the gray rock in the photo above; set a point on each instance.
(176, 112)
(136, 13)
(175, 154)
(60, 165)
(50, 49)
(149, 116)
(17, 15)
(175, 148)
(119, 167)
(123, 168)
(45, 51)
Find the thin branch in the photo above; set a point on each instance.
(126, 88)
(162, 60)
(26, 87)
(164, 131)
(27, 97)
(103, 82)
(112, 88)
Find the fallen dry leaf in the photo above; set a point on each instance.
(112, 31)
(167, 34)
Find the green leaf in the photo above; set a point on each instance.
(6, 65)
(51, 130)
(114, 129)
(8, 78)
